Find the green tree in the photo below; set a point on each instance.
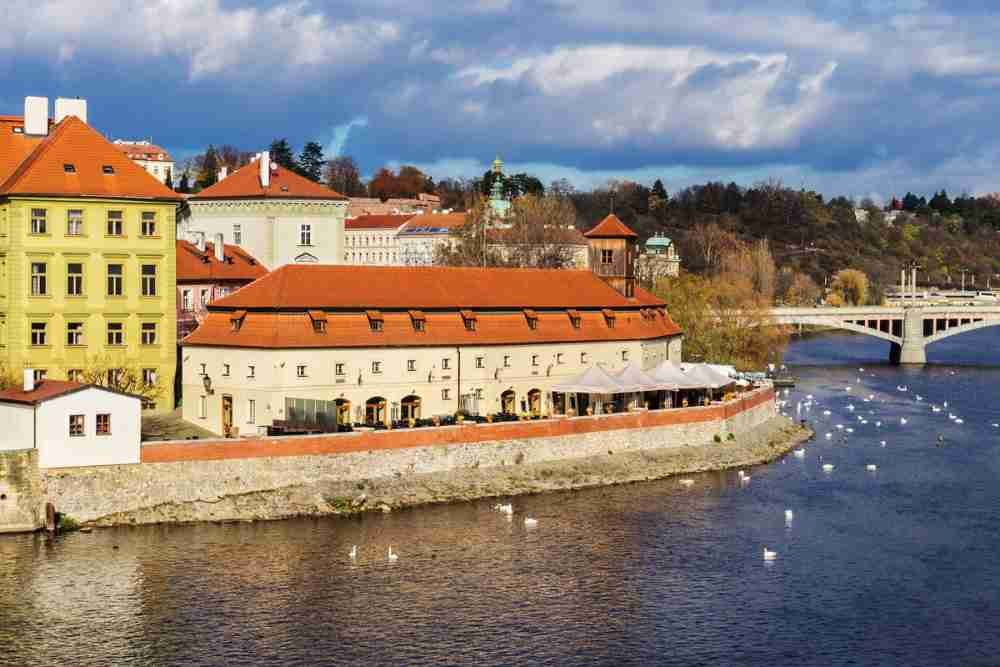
(311, 161)
(659, 190)
(208, 172)
(185, 184)
(281, 153)
(168, 180)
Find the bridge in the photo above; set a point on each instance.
(910, 329)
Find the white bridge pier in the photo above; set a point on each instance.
(910, 329)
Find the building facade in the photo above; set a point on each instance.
(422, 235)
(422, 203)
(660, 260)
(150, 157)
(406, 343)
(206, 272)
(373, 240)
(277, 216)
(87, 253)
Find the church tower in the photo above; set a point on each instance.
(613, 249)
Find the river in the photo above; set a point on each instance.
(896, 566)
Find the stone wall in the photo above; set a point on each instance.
(22, 504)
(116, 494)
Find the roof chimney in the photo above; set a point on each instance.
(65, 107)
(265, 169)
(223, 172)
(29, 380)
(220, 248)
(199, 241)
(36, 116)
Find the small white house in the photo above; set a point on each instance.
(71, 424)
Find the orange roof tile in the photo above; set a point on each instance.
(43, 391)
(295, 330)
(14, 146)
(611, 228)
(302, 286)
(42, 172)
(150, 152)
(244, 183)
(196, 266)
(375, 222)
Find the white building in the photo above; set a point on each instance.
(274, 214)
(373, 240)
(421, 236)
(71, 424)
(150, 157)
(373, 344)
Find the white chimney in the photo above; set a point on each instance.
(199, 241)
(265, 169)
(36, 116)
(223, 172)
(220, 248)
(65, 107)
(29, 379)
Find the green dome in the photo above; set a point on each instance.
(659, 242)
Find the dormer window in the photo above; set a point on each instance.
(419, 320)
(108, 169)
(375, 320)
(318, 318)
(469, 318)
(69, 168)
(531, 317)
(607, 256)
(236, 320)
(609, 317)
(574, 318)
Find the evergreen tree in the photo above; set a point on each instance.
(168, 180)
(281, 153)
(185, 185)
(311, 161)
(910, 202)
(940, 202)
(209, 173)
(658, 190)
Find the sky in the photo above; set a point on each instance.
(863, 98)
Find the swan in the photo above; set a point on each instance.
(740, 474)
(959, 421)
(850, 407)
(902, 420)
(849, 430)
(995, 425)
(829, 435)
(392, 557)
(827, 467)
(354, 552)
(687, 482)
(745, 479)
(530, 523)
(789, 515)
(840, 427)
(878, 424)
(871, 467)
(800, 453)
(826, 413)
(809, 396)
(861, 370)
(919, 397)
(945, 404)
(882, 443)
(770, 555)
(848, 388)
(935, 408)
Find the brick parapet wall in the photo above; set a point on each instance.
(339, 443)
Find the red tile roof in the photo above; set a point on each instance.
(611, 228)
(44, 390)
(244, 183)
(43, 172)
(14, 146)
(302, 286)
(375, 222)
(149, 152)
(295, 330)
(196, 266)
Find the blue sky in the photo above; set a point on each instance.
(859, 98)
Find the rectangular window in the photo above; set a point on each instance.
(237, 234)
(534, 360)
(38, 336)
(411, 365)
(376, 325)
(116, 274)
(338, 369)
(445, 364)
(559, 357)
(445, 394)
(376, 367)
(149, 279)
(305, 234)
(470, 324)
(74, 279)
(251, 371)
(583, 357)
(251, 411)
(148, 227)
(116, 223)
(203, 407)
(40, 374)
(225, 370)
(300, 371)
(419, 325)
(624, 355)
(506, 362)
(74, 333)
(319, 326)
(186, 304)
(104, 424)
(38, 221)
(39, 283)
(74, 222)
(607, 256)
(75, 375)
(479, 393)
(480, 362)
(116, 333)
(76, 426)
(205, 300)
(149, 377)
(148, 333)
(575, 321)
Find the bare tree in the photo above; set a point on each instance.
(123, 375)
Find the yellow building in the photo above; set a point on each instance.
(87, 253)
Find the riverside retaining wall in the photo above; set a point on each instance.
(206, 474)
(22, 504)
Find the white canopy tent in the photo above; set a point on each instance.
(707, 377)
(594, 380)
(636, 379)
(671, 373)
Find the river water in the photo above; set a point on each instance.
(897, 566)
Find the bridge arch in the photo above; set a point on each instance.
(973, 324)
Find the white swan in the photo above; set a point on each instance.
(354, 552)
(871, 467)
(530, 523)
(882, 443)
(902, 420)
(849, 430)
(850, 407)
(829, 435)
(801, 453)
(826, 413)
(878, 424)
(827, 467)
(840, 427)
(392, 556)
(959, 421)
(789, 515)
(770, 555)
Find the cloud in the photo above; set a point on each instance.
(341, 133)
(212, 39)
